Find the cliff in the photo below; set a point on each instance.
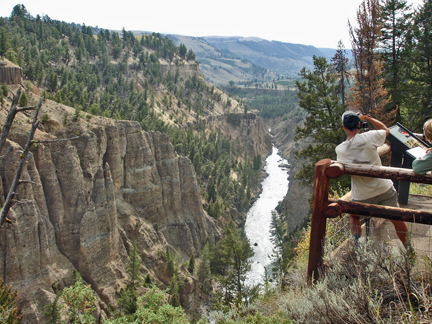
(185, 69)
(10, 73)
(97, 187)
(251, 131)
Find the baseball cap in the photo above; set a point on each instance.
(350, 119)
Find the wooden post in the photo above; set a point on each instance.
(318, 223)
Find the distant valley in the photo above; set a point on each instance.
(243, 59)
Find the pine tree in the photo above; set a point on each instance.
(234, 253)
(203, 270)
(79, 300)
(182, 50)
(52, 311)
(173, 291)
(368, 94)
(191, 265)
(420, 92)
(4, 41)
(396, 17)
(340, 65)
(133, 268)
(23, 101)
(318, 95)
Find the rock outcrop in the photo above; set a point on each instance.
(10, 73)
(251, 131)
(97, 187)
(185, 69)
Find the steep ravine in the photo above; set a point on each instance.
(98, 187)
(295, 204)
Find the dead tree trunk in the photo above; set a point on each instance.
(35, 123)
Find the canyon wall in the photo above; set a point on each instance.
(88, 200)
(95, 188)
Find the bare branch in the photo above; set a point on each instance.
(26, 108)
(8, 202)
(9, 119)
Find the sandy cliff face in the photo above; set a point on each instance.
(107, 186)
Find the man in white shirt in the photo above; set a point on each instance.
(363, 148)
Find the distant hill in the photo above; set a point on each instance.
(240, 59)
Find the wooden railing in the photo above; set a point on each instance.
(324, 208)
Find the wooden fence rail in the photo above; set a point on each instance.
(324, 208)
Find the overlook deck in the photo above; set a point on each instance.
(420, 234)
(417, 212)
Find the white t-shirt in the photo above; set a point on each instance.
(363, 149)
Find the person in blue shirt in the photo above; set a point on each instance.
(424, 164)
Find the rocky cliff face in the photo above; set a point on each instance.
(185, 69)
(252, 132)
(97, 187)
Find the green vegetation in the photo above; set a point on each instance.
(106, 74)
(230, 264)
(119, 76)
(421, 189)
(286, 83)
(75, 303)
(319, 97)
(8, 307)
(278, 106)
(216, 159)
(153, 307)
(271, 104)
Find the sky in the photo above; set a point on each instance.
(321, 23)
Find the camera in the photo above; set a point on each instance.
(364, 124)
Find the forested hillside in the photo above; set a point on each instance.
(148, 189)
(118, 76)
(146, 78)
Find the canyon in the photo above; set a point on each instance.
(95, 187)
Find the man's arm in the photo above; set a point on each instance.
(375, 123)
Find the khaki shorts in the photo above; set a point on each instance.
(388, 198)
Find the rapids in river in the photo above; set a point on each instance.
(258, 221)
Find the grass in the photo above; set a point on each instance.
(205, 61)
(421, 189)
(286, 83)
(228, 62)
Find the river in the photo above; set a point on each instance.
(258, 221)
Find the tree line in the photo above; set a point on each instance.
(389, 78)
(108, 74)
(117, 75)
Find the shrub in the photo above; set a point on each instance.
(45, 118)
(8, 308)
(23, 101)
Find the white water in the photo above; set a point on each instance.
(258, 220)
